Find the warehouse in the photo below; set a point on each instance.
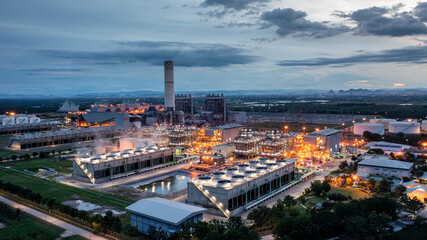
(104, 167)
(153, 213)
(373, 165)
(236, 187)
(63, 136)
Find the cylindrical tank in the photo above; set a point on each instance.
(261, 169)
(250, 173)
(34, 120)
(360, 128)
(263, 160)
(271, 166)
(21, 120)
(243, 167)
(8, 121)
(169, 86)
(383, 121)
(424, 125)
(231, 171)
(253, 164)
(218, 175)
(237, 178)
(405, 127)
(204, 179)
(223, 183)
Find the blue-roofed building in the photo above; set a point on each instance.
(153, 213)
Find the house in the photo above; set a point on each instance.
(153, 213)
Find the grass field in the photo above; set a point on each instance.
(355, 193)
(60, 191)
(29, 227)
(64, 166)
(4, 140)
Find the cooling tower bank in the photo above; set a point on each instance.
(234, 190)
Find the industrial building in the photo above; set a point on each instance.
(104, 167)
(63, 136)
(225, 149)
(215, 109)
(274, 145)
(271, 144)
(360, 128)
(125, 107)
(181, 135)
(215, 160)
(225, 133)
(119, 121)
(153, 213)
(184, 103)
(26, 128)
(68, 107)
(327, 140)
(234, 189)
(388, 147)
(381, 165)
(246, 144)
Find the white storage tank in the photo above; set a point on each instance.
(8, 121)
(424, 125)
(360, 128)
(384, 121)
(405, 127)
(21, 120)
(34, 120)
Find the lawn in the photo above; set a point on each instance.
(60, 191)
(312, 201)
(64, 166)
(355, 193)
(29, 227)
(4, 140)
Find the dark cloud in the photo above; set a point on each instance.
(232, 4)
(264, 39)
(154, 53)
(416, 55)
(291, 22)
(383, 21)
(421, 11)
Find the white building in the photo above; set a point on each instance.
(388, 147)
(380, 166)
(153, 213)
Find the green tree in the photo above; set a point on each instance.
(35, 154)
(326, 187)
(260, 215)
(296, 228)
(289, 201)
(377, 223)
(316, 187)
(412, 204)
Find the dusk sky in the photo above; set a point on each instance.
(68, 47)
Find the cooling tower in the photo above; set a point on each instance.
(169, 87)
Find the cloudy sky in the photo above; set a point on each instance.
(65, 47)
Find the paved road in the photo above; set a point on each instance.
(52, 220)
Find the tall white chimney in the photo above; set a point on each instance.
(169, 87)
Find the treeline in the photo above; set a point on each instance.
(232, 229)
(358, 219)
(27, 156)
(98, 222)
(10, 212)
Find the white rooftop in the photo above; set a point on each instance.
(387, 163)
(412, 189)
(325, 132)
(165, 210)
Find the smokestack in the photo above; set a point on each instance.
(169, 87)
